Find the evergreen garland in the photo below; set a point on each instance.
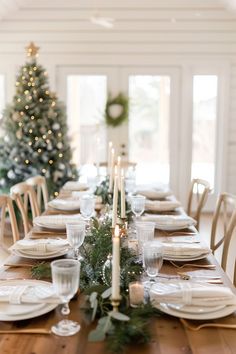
(130, 325)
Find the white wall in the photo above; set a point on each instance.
(182, 34)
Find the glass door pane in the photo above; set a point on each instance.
(86, 98)
(149, 126)
(2, 94)
(205, 89)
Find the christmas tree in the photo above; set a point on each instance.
(35, 132)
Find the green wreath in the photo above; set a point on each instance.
(122, 101)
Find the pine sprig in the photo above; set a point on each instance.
(41, 271)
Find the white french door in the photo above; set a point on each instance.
(152, 132)
(177, 122)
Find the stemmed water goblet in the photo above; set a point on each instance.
(87, 206)
(152, 259)
(137, 207)
(75, 236)
(65, 278)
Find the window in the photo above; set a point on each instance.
(149, 126)
(2, 94)
(86, 99)
(204, 127)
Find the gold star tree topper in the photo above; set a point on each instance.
(32, 50)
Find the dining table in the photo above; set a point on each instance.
(170, 335)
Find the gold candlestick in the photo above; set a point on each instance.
(123, 227)
(116, 303)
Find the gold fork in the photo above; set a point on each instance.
(205, 325)
(207, 266)
(26, 331)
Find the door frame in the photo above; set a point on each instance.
(174, 72)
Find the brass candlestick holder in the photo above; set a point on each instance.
(123, 227)
(116, 303)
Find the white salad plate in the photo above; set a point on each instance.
(55, 222)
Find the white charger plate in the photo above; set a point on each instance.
(185, 258)
(10, 312)
(227, 310)
(32, 255)
(195, 309)
(64, 204)
(56, 222)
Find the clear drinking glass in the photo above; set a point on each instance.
(87, 206)
(152, 258)
(138, 204)
(75, 233)
(65, 278)
(145, 232)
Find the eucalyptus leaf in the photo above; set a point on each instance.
(119, 316)
(95, 306)
(102, 321)
(106, 293)
(97, 335)
(92, 298)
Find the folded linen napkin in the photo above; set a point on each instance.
(40, 245)
(56, 221)
(184, 249)
(17, 294)
(70, 203)
(191, 293)
(161, 205)
(173, 220)
(75, 186)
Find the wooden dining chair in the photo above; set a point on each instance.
(40, 185)
(6, 208)
(25, 197)
(228, 262)
(197, 198)
(223, 229)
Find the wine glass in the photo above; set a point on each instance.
(87, 206)
(145, 232)
(75, 233)
(137, 207)
(65, 278)
(152, 258)
(138, 204)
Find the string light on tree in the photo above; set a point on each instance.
(35, 116)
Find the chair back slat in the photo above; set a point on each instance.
(26, 201)
(199, 192)
(40, 186)
(7, 206)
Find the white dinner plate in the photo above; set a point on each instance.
(186, 258)
(195, 309)
(75, 186)
(64, 204)
(227, 310)
(12, 312)
(55, 222)
(35, 255)
(173, 227)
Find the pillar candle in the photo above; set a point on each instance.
(119, 171)
(109, 158)
(136, 293)
(115, 200)
(122, 193)
(116, 264)
(112, 167)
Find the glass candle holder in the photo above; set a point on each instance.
(136, 293)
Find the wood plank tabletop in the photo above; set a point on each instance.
(169, 335)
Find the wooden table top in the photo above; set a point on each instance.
(169, 335)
